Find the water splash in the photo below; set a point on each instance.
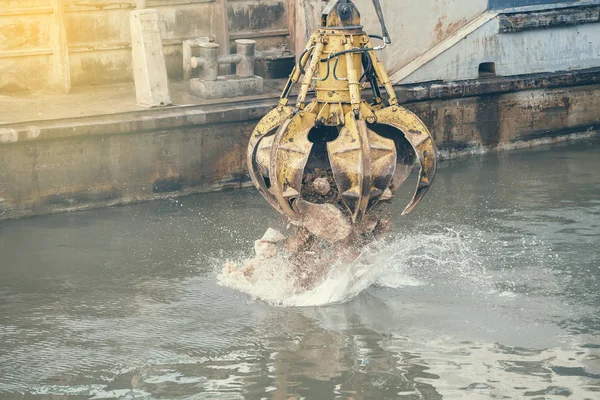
(403, 260)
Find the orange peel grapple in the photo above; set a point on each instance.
(366, 149)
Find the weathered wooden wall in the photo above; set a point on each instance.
(98, 35)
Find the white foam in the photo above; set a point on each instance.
(401, 261)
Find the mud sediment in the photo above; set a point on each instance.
(311, 193)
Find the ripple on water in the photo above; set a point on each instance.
(504, 304)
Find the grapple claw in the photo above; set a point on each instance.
(417, 134)
(257, 167)
(363, 164)
(289, 154)
(339, 151)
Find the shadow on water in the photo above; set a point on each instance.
(488, 290)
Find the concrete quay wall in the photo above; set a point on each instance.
(62, 165)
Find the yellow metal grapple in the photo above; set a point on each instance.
(364, 150)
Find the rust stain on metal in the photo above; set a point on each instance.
(488, 120)
(518, 22)
(444, 28)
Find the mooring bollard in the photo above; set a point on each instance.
(246, 50)
(208, 62)
(210, 85)
(191, 49)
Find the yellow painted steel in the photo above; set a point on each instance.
(376, 143)
(289, 153)
(310, 71)
(265, 128)
(351, 164)
(332, 85)
(383, 77)
(353, 76)
(363, 164)
(420, 139)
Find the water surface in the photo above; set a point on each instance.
(490, 289)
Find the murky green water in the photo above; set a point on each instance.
(489, 290)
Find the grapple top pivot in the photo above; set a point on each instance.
(341, 14)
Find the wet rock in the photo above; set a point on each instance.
(273, 236)
(312, 192)
(387, 195)
(249, 267)
(294, 245)
(299, 241)
(383, 226)
(368, 224)
(324, 221)
(322, 186)
(265, 250)
(267, 246)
